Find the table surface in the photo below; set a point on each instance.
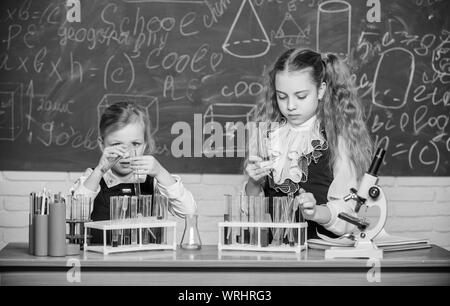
(16, 255)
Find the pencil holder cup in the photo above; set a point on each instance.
(57, 229)
(40, 231)
(30, 234)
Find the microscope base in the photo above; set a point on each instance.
(362, 250)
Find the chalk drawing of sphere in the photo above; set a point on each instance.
(441, 59)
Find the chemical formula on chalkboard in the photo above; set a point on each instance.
(194, 63)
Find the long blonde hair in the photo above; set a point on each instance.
(339, 111)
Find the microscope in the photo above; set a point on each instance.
(370, 195)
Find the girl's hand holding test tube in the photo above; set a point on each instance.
(145, 165)
(111, 155)
(257, 168)
(149, 165)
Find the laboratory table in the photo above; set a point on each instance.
(209, 267)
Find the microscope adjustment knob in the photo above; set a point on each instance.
(374, 192)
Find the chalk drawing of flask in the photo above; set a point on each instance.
(392, 79)
(333, 31)
(242, 43)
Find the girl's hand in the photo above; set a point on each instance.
(110, 157)
(257, 168)
(145, 164)
(307, 204)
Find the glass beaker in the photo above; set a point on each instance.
(191, 237)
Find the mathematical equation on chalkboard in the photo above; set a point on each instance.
(63, 62)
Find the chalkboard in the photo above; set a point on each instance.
(206, 60)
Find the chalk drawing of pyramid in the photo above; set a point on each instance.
(289, 28)
(247, 37)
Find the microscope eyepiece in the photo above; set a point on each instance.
(376, 162)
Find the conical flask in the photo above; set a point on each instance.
(191, 236)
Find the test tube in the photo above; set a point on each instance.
(133, 214)
(160, 210)
(136, 183)
(228, 217)
(277, 209)
(264, 217)
(243, 209)
(144, 210)
(253, 239)
(125, 214)
(115, 207)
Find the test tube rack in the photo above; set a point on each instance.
(77, 238)
(297, 248)
(131, 223)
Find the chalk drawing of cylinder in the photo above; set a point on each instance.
(333, 31)
(11, 110)
(247, 37)
(392, 79)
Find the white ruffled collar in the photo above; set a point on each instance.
(288, 144)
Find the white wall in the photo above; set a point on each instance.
(418, 206)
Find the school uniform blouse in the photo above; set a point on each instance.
(181, 201)
(301, 158)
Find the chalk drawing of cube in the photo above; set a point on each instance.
(149, 103)
(229, 112)
(11, 110)
(223, 113)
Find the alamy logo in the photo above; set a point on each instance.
(374, 13)
(73, 11)
(74, 273)
(374, 273)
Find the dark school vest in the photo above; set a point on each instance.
(101, 210)
(320, 176)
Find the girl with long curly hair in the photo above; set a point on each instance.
(319, 146)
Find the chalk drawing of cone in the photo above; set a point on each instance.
(393, 77)
(333, 31)
(247, 37)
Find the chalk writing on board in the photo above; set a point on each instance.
(291, 33)
(242, 44)
(166, 1)
(116, 75)
(385, 74)
(11, 110)
(335, 18)
(441, 58)
(149, 103)
(180, 58)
